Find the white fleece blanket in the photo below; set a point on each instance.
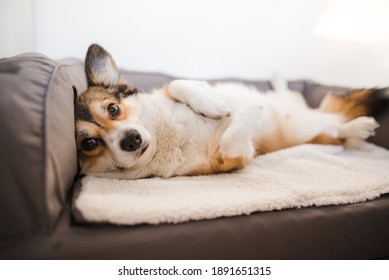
(307, 175)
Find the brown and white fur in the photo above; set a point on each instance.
(194, 128)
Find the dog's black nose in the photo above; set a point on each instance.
(131, 141)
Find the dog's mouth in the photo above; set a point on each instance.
(143, 150)
(140, 153)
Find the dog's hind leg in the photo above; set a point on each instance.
(278, 83)
(280, 86)
(357, 130)
(350, 133)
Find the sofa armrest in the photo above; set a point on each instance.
(38, 152)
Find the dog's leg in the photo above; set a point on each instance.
(349, 133)
(280, 86)
(236, 147)
(199, 96)
(237, 139)
(359, 128)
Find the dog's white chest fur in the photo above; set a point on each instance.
(180, 138)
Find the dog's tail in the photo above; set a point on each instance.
(363, 102)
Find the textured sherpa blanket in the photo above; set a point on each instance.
(307, 175)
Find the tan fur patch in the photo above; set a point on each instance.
(219, 164)
(100, 114)
(351, 105)
(324, 138)
(274, 142)
(165, 91)
(104, 161)
(89, 130)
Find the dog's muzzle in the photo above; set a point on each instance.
(131, 141)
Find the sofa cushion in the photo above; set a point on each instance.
(38, 151)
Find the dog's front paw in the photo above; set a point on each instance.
(359, 128)
(232, 149)
(213, 108)
(237, 139)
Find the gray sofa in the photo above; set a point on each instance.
(39, 167)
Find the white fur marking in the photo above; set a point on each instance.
(200, 97)
(236, 141)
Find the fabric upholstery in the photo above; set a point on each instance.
(38, 152)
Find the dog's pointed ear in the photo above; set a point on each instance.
(101, 69)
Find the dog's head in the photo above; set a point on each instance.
(109, 136)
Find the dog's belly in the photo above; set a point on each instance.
(191, 141)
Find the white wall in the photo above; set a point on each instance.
(16, 27)
(217, 38)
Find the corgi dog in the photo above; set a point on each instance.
(194, 128)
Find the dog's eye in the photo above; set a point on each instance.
(113, 110)
(89, 144)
